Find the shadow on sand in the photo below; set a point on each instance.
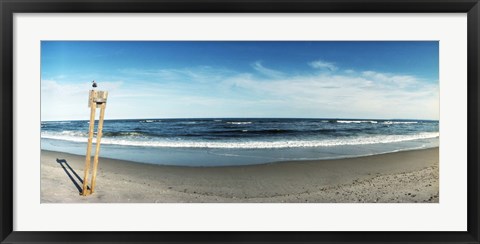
(69, 173)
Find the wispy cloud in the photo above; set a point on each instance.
(165, 75)
(69, 100)
(216, 92)
(369, 95)
(394, 80)
(321, 64)
(50, 87)
(258, 66)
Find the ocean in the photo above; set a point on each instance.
(224, 142)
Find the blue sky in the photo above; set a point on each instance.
(180, 79)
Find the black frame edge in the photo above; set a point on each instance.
(473, 25)
(241, 6)
(6, 136)
(8, 7)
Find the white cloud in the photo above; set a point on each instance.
(197, 74)
(377, 96)
(266, 71)
(402, 81)
(320, 64)
(69, 100)
(209, 93)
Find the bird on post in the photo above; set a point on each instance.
(94, 84)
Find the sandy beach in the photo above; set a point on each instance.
(405, 177)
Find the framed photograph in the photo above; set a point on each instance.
(261, 122)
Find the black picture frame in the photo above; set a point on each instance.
(9, 7)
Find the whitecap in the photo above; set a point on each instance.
(356, 121)
(238, 123)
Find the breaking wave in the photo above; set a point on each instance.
(379, 139)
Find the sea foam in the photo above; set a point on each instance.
(379, 139)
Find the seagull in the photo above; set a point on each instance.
(94, 84)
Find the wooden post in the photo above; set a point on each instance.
(89, 147)
(97, 99)
(97, 149)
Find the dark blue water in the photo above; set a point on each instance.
(209, 142)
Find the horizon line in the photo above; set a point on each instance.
(172, 118)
